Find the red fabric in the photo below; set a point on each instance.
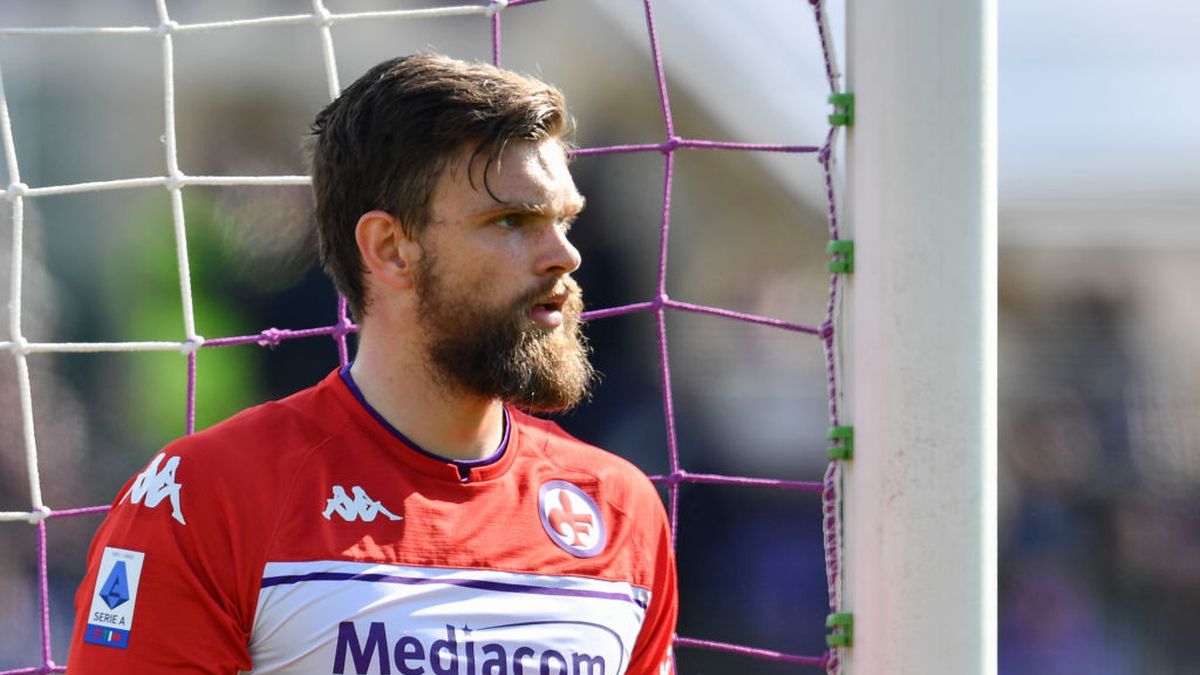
(253, 490)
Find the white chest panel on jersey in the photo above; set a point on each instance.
(342, 617)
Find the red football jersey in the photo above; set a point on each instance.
(308, 536)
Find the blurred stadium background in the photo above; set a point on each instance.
(1099, 356)
(1099, 235)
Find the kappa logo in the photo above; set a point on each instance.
(361, 506)
(154, 485)
(572, 519)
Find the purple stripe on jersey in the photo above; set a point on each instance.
(477, 584)
(464, 466)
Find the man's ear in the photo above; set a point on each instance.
(389, 255)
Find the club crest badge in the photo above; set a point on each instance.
(572, 519)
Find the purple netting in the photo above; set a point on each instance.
(658, 305)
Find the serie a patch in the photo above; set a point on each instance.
(114, 598)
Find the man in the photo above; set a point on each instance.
(406, 515)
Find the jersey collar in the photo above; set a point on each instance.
(431, 463)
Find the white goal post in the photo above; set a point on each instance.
(920, 509)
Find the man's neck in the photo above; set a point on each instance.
(399, 386)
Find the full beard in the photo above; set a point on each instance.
(499, 353)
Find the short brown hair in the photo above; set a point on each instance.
(383, 143)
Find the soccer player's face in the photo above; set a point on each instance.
(498, 307)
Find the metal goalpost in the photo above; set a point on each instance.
(920, 495)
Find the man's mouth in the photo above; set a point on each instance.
(548, 313)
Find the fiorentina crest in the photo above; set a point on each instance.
(572, 519)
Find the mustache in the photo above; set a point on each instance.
(564, 284)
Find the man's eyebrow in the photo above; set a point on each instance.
(572, 206)
(535, 208)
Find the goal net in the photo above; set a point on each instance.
(159, 271)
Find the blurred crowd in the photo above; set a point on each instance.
(1100, 469)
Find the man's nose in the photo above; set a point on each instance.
(560, 255)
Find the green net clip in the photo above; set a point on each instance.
(842, 251)
(843, 442)
(841, 630)
(843, 109)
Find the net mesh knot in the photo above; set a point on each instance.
(19, 346)
(494, 7)
(270, 337)
(16, 191)
(39, 514)
(322, 17)
(191, 345)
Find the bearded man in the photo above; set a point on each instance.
(407, 514)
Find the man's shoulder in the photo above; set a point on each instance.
(241, 465)
(272, 431)
(614, 472)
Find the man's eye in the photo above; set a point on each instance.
(509, 222)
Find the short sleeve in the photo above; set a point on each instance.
(163, 593)
(652, 654)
